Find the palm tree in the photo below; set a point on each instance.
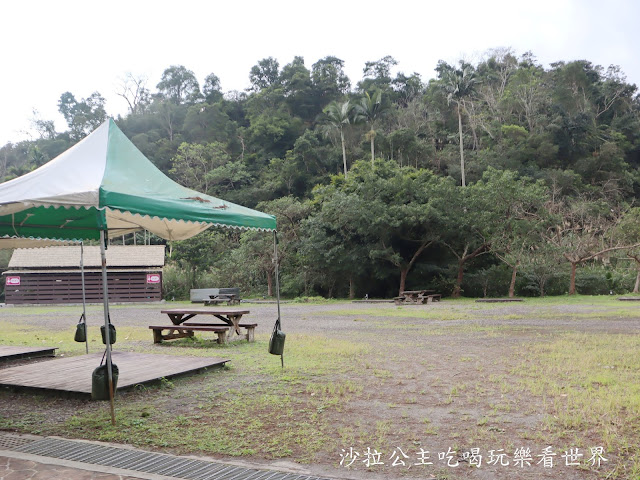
(370, 109)
(336, 117)
(459, 83)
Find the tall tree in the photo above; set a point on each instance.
(193, 164)
(629, 231)
(458, 84)
(336, 117)
(179, 85)
(82, 116)
(264, 74)
(133, 89)
(329, 80)
(256, 249)
(586, 230)
(464, 226)
(297, 89)
(370, 109)
(377, 74)
(211, 88)
(46, 128)
(382, 212)
(513, 211)
(199, 253)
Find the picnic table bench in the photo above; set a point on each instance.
(417, 297)
(249, 327)
(180, 329)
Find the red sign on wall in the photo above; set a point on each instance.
(153, 278)
(14, 281)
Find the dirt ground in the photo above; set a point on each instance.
(437, 382)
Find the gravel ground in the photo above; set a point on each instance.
(434, 369)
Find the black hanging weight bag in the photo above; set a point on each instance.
(112, 334)
(276, 342)
(81, 331)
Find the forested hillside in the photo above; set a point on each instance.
(501, 177)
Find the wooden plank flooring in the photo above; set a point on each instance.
(11, 352)
(73, 374)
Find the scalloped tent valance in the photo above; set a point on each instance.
(105, 183)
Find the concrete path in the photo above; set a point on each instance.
(30, 457)
(19, 466)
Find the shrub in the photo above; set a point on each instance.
(175, 284)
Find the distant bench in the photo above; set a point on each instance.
(228, 298)
(200, 295)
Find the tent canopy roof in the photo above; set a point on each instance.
(105, 183)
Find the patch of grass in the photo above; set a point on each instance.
(267, 420)
(253, 408)
(591, 388)
(19, 334)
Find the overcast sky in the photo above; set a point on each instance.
(50, 47)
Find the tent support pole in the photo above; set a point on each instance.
(84, 300)
(105, 299)
(277, 274)
(276, 262)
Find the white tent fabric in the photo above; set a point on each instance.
(69, 179)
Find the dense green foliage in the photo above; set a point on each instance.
(495, 178)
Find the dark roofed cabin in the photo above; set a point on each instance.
(51, 275)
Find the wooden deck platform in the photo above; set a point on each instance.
(73, 374)
(11, 352)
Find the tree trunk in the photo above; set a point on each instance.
(403, 280)
(462, 260)
(372, 133)
(405, 270)
(464, 183)
(352, 290)
(344, 153)
(457, 290)
(512, 285)
(572, 281)
(637, 285)
(269, 284)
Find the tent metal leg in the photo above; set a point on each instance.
(277, 269)
(105, 297)
(84, 300)
(276, 261)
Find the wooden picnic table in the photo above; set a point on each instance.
(417, 297)
(229, 316)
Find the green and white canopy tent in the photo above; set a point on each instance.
(104, 183)
(105, 187)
